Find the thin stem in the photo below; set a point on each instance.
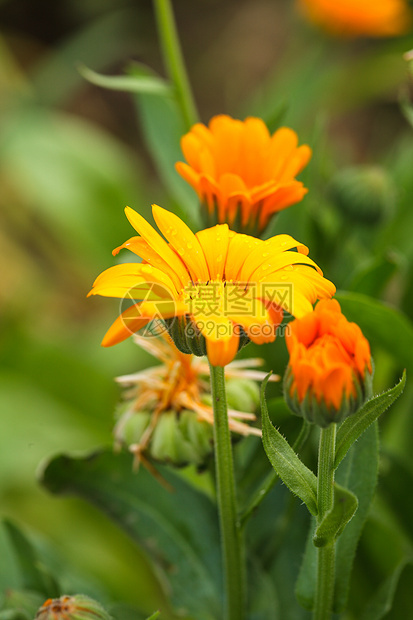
(174, 60)
(272, 478)
(231, 535)
(325, 497)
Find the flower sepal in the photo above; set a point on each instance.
(188, 338)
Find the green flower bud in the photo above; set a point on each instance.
(78, 607)
(365, 194)
(131, 425)
(177, 438)
(181, 438)
(243, 394)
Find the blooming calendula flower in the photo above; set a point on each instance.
(241, 173)
(330, 369)
(166, 410)
(371, 18)
(216, 290)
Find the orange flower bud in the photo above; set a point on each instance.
(329, 374)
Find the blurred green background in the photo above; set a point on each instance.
(72, 156)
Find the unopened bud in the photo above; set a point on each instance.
(329, 375)
(365, 194)
(78, 607)
(242, 394)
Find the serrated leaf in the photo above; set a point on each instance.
(380, 323)
(351, 429)
(334, 522)
(299, 479)
(147, 84)
(178, 527)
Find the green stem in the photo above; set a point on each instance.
(325, 497)
(174, 61)
(272, 478)
(231, 534)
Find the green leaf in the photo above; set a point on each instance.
(20, 604)
(371, 279)
(334, 522)
(382, 601)
(351, 429)
(178, 525)
(123, 611)
(149, 84)
(306, 582)
(381, 324)
(358, 473)
(406, 105)
(262, 597)
(34, 575)
(396, 477)
(299, 479)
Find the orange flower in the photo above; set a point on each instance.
(371, 18)
(329, 372)
(215, 289)
(243, 174)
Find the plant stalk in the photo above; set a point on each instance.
(231, 533)
(324, 597)
(174, 60)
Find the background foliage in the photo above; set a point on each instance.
(73, 155)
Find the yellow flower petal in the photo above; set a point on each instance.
(221, 338)
(183, 241)
(138, 316)
(134, 279)
(239, 250)
(214, 242)
(141, 248)
(158, 244)
(271, 264)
